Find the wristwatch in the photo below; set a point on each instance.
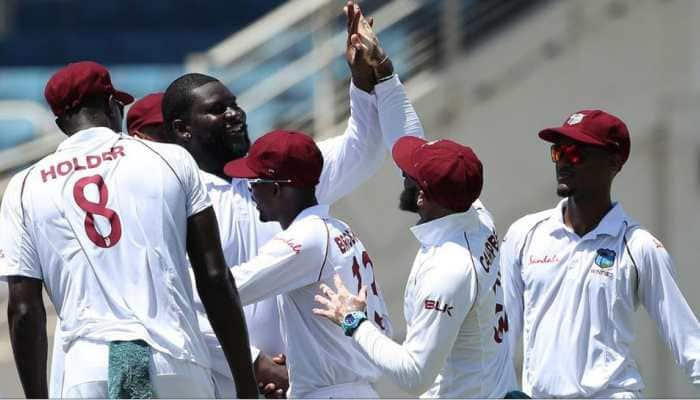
(352, 320)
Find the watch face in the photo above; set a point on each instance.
(349, 319)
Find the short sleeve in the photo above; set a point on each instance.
(195, 188)
(18, 255)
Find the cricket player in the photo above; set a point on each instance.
(457, 329)
(575, 274)
(145, 120)
(283, 168)
(109, 244)
(203, 116)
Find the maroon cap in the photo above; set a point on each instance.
(145, 112)
(594, 127)
(68, 87)
(450, 174)
(280, 155)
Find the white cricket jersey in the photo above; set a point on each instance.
(456, 342)
(108, 239)
(349, 160)
(293, 264)
(572, 299)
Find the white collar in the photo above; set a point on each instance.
(438, 230)
(320, 210)
(609, 225)
(87, 135)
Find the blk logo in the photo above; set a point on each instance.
(435, 305)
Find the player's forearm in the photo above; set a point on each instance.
(220, 300)
(397, 117)
(27, 323)
(394, 360)
(350, 159)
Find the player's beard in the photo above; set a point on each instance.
(236, 146)
(565, 191)
(408, 200)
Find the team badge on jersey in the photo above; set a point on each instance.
(605, 258)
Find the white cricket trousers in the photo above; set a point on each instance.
(86, 365)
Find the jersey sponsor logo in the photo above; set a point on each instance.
(345, 240)
(605, 258)
(543, 260)
(435, 305)
(490, 250)
(296, 247)
(602, 272)
(90, 161)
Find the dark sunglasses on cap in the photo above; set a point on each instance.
(574, 153)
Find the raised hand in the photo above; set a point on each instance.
(362, 73)
(366, 44)
(339, 303)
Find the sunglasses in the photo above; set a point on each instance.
(574, 153)
(257, 181)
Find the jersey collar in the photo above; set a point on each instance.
(440, 230)
(610, 225)
(321, 210)
(86, 135)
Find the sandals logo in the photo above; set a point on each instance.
(605, 258)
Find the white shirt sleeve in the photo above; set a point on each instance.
(292, 259)
(353, 157)
(513, 286)
(18, 253)
(397, 117)
(194, 186)
(663, 300)
(430, 335)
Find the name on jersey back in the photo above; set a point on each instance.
(65, 167)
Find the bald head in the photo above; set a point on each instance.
(178, 98)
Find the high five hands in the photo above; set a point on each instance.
(368, 62)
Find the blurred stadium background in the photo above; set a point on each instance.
(489, 73)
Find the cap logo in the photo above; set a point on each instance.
(575, 119)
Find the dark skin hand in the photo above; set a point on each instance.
(27, 321)
(362, 73)
(273, 378)
(219, 295)
(364, 49)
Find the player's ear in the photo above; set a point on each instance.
(60, 124)
(181, 131)
(276, 189)
(420, 199)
